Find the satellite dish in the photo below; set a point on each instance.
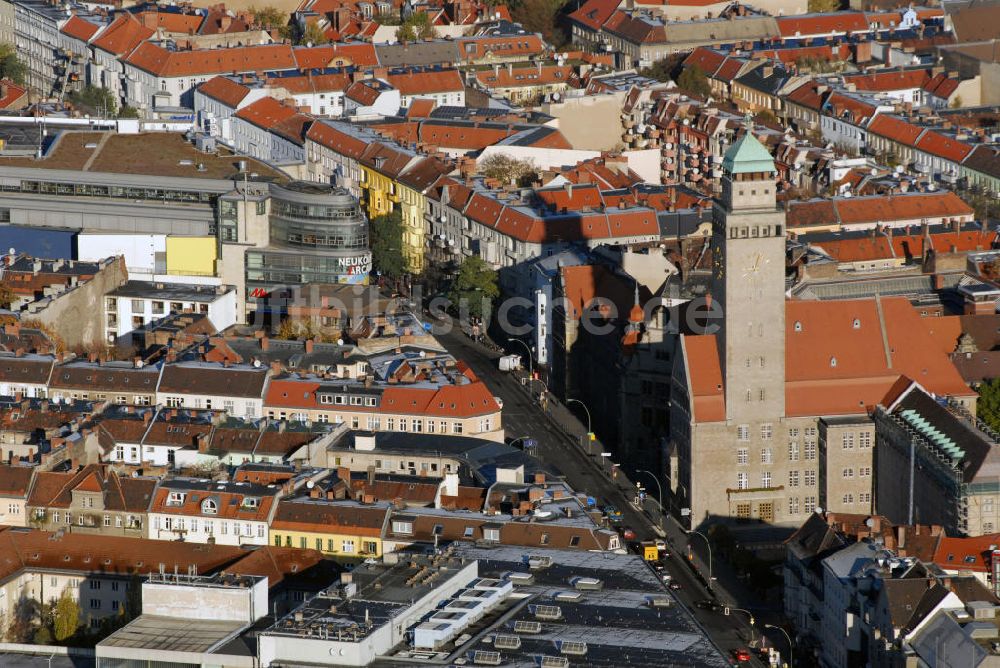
(340, 342)
(423, 353)
(819, 510)
(256, 363)
(310, 484)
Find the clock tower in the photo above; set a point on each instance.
(748, 242)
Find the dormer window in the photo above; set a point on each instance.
(833, 361)
(176, 498)
(798, 326)
(251, 502)
(857, 323)
(209, 507)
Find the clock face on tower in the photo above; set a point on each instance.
(755, 264)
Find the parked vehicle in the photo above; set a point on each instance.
(741, 655)
(510, 362)
(628, 534)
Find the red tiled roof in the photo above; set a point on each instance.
(889, 80)
(13, 94)
(224, 90)
(79, 29)
(426, 81)
(173, 22)
(313, 83)
(943, 146)
(337, 141)
(902, 245)
(162, 62)
(705, 59)
(526, 76)
(705, 378)
(941, 86)
(594, 13)
(896, 129)
(363, 93)
(836, 359)
(822, 24)
(421, 108)
(335, 55)
(858, 210)
(274, 116)
(966, 554)
(123, 35)
(506, 47)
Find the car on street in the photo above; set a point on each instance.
(628, 534)
(675, 586)
(704, 604)
(741, 655)
(661, 545)
(613, 514)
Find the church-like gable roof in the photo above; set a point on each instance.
(747, 155)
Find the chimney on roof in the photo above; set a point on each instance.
(901, 536)
(264, 343)
(309, 345)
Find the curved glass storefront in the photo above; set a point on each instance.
(318, 234)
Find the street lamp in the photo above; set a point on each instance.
(658, 487)
(791, 645)
(590, 429)
(749, 614)
(530, 374)
(709, 544)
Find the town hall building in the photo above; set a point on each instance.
(771, 404)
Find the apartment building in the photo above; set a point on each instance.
(217, 513)
(442, 406)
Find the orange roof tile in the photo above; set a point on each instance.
(425, 81)
(224, 90)
(335, 55)
(896, 129)
(155, 59)
(79, 29)
(123, 35)
(836, 359)
(822, 24)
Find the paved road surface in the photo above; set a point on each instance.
(523, 416)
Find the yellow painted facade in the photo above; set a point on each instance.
(336, 544)
(191, 256)
(381, 192)
(412, 205)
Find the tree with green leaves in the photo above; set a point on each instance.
(96, 99)
(65, 616)
(387, 244)
(11, 67)
(823, 6)
(128, 112)
(416, 27)
(508, 170)
(693, 79)
(988, 406)
(543, 16)
(475, 288)
(271, 18)
(313, 34)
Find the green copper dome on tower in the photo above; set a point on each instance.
(747, 155)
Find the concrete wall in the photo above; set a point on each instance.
(191, 255)
(590, 123)
(203, 601)
(77, 315)
(139, 250)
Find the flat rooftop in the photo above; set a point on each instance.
(151, 153)
(170, 291)
(172, 634)
(617, 624)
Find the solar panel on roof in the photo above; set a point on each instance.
(507, 642)
(486, 658)
(548, 612)
(554, 662)
(572, 647)
(522, 626)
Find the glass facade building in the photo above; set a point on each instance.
(318, 234)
